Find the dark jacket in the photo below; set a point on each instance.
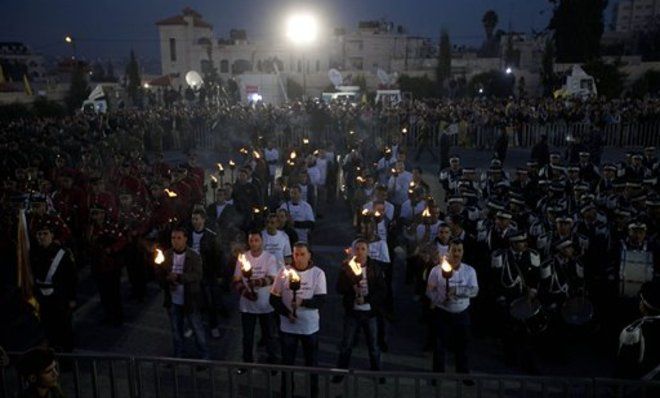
(228, 219)
(210, 249)
(64, 280)
(375, 281)
(191, 278)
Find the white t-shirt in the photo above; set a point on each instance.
(389, 209)
(312, 283)
(196, 240)
(271, 156)
(178, 262)
(464, 281)
(408, 212)
(262, 266)
(378, 250)
(278, 245)
(322, 165)
(300, 212)
(314, 174)
(398, 187)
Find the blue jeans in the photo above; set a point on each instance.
(366, 321)
(177, 318)
(310, 346)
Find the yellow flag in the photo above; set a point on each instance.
(24, 272)
(26, 83)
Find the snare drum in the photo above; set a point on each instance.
(577, 311)
(530, 313)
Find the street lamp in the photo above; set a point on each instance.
(302, 30)
(509, 70)
(69, 40)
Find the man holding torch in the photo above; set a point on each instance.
(297, 295)
(362, 284)
(255, 271)
(450, 287)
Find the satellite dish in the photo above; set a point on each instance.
(335, 77)
(383, 77)
(193, 79)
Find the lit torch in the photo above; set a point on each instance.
(356, 268)
(293, 156)
(294, 284)
(159, 257)
(246, 269)
(256, 154)
(221, 173)
(447, 272)
(232, 167)
(305, 141)
(214, 182)
(170, 194)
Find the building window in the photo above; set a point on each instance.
(173, 50)
(224, 66)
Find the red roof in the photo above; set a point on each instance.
(198, 21)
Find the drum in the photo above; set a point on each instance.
(577, 311)
(530, 313)
(636, 269)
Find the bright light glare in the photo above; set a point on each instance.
(509, 71)
(254, 97)
(68, 39)
(302, 28)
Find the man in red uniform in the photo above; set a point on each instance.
(98, 195)
(134, 221)
(39, 214)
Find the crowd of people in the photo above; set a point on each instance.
(533, 255)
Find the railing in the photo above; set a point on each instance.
(122, 376)
(468, 135)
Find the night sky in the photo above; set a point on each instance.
(110, 28)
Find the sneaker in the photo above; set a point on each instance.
(188, 333)
(215, 333)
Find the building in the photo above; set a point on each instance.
(17, 60)
(637, 15)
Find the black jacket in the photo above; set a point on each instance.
(191, 278)
(64, 280)
(210, 251)
(375, 280)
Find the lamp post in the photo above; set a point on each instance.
(69, 40)
(302, 30)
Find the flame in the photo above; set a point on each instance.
(256, 210)
(426, 212)
(170, 194)
(159, 258)
(404, 130)
(293, 155)
(412, 184)
(214, 179)
(377, 214)
(256, 155)
(410, 191)
(292, 275)
(316, 152)
(243, 150)
(445, 265)
(220, 168)
(232, 164)
(305, 141)
(245, 264)
(393, 170)
(351, 132)
(365, 212)
(355, 266)
(388, 150)
(360, 179)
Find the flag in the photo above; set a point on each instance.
(26, 84)
(24, 273)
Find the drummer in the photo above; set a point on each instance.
(517, 273)
(639, 342)
(562, 276)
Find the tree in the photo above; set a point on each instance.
(578, 27)
(443, 69)
(110, 72)
(494, 83)
(133, 80)
(420, 87)
(548, 76)
(293, 89)
(489, 20)
(647, 84)
(609, 79)
(78, 90)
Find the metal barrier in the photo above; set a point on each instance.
(123, 376)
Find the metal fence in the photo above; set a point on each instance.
(122, 376)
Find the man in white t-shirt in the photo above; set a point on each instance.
(255, 292)
(276, 242)
(398, 184)
(271, 156)
(299, 318)
(301, 213)
(451, 307)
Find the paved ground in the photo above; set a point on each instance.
(146, 330)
